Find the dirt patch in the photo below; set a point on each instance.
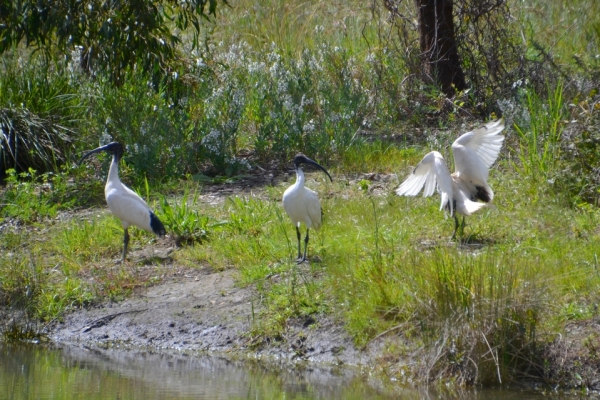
(198, 311)
(202, 310)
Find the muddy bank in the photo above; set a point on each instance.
(200, 310)
(204, 311)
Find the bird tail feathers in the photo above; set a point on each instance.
(157, 227)
(469, 207)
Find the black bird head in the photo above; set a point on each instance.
(302, 159)
(114, 148)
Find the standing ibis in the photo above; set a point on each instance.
(123, 202)
(474, 153)
(302, 204)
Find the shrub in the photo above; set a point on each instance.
(30, 142)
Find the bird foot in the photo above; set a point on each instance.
(301, 261)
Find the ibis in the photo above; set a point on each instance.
(302, 205)
(474, 153)
(123, 202)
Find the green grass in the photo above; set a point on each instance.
(77, 266)
(281, 77)
(382, 264)
(292, 26)
(388, 262)
(565, 30)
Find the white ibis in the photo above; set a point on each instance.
(123, 202)
(302, 204)
(474, 153)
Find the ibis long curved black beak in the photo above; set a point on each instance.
(114, 148)
(302, 159)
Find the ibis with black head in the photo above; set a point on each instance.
(466, 190)
(123, 202)
(302, 204)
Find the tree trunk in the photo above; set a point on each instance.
(438, 45)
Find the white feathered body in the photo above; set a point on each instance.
(474, 153)
(302, 204)
(124, 203)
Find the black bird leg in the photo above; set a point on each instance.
(455, 226)
(299, 236)
(305, 247)
(125, 244)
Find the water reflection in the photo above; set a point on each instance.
(37, 372)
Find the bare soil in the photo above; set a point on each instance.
(202, 310)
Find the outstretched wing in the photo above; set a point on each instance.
(476, 151)
(431, 170)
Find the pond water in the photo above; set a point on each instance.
(40, 372)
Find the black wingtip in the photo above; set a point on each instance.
(482, 194)
(157, 227)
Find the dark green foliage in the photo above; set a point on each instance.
(41, 105)
(28, 141)
(48, 89)
(156, 134)
(111, 35)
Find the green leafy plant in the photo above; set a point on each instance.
(183, 220)
(30, 197)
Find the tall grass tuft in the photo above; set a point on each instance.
(540, 136)
(487, 312)
(30, 142)
(28, 297)
(21, 284)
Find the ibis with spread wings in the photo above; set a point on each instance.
(466, 190)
